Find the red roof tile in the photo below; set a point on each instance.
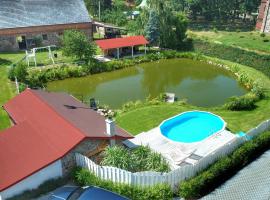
(45, 131)
(121, 42)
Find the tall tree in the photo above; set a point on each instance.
(172, 27)
(76, 44)
(93, 6)
(152, 29)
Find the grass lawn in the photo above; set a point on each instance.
(42, 58)
(7, 88)
(148, 117)
(247, 40)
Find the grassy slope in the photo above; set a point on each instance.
(246, 40)
(7, 89)
(148, 117)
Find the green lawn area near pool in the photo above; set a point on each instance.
(147, 117)
(246, 40)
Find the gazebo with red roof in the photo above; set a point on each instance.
(108, 46)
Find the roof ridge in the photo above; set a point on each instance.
(53, 110)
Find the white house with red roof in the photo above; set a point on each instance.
(49, 128)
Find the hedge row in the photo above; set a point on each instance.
(224, 168)
(38, 77)
(260, 62)
(83, 177)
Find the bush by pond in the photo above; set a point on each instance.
(246, 102)
(139, 159)
(38, 77)
(224, 168)
(83, 177)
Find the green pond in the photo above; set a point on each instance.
(200, 83)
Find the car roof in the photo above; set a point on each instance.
(97, 193)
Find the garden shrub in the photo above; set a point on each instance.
(139, 159)
(262, 35)
(19, 71)
(246, 102)
(22, 87)
(258, 92)
(224, 168)
(117, 156)
(83, 177)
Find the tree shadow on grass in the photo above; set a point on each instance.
(4, 62)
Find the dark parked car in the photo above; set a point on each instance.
(84, 193)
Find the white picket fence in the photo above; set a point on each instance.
(151, 178)
(174, 177)
(264, 126)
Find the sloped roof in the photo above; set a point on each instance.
(45, 131)
(81, 116)
(121, 42)
(28, 13)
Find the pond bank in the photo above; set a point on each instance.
(201, 83)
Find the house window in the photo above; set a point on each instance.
(45, 37)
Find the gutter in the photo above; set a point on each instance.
(266, 16)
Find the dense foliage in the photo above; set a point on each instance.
(161, 24)
(214, 11)
(139, 159)
(218, 9)
(261, 62)
(152, 28)
(157, 192)
(224, 168)
(20, 72)
(246, 102)
(93, 6)
(76, 44)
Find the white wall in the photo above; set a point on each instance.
(32, 182)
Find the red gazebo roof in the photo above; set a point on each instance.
(121, 42)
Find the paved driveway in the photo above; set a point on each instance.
(251, 183)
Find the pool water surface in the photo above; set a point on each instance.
(193, 126)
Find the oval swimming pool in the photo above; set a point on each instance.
(193, 126)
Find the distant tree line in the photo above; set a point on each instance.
(217, 9)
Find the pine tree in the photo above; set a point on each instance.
(152, 29)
